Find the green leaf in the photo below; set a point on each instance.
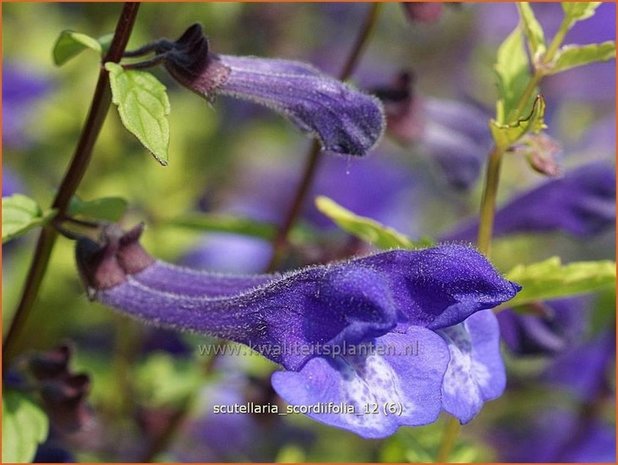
(571, 56)
(506, 135)
(20, 214)
(228, 224)
(512, 70)
(143, 107)
(24, 426)
(551, 279)
(366, 229)
(578, 11)
(70, 44)
(105, 208)
(532, 29)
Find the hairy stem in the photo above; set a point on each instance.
(99, 106)
(314, 155)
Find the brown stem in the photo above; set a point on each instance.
(101, 101)
(314, 155)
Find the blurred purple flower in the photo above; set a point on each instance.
(344, 120)
(393, 300)
(423, 12)
(455, 134)
(52, 451)
(583, 369)
(376, 187)
(21, 89)
(370, 187)
(582, 203)
(561, 326)
(554, 435)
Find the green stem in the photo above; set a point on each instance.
(314, 155)
(488, 201)
(449, 437)
(99, 106)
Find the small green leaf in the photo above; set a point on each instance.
(70, 44)
(366, 229)
(228, 224)
(571, 56)
(24, 426)
(532, 29)
(105, 208)
(143, 107)
(20, 214)
(578, 11)
(551, 279)
(512, 70)
(506, 135)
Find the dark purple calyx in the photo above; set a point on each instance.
(400, 90)
(404, 112)
(188, 60)
(131, 255)
(106, 264)
(52, 363)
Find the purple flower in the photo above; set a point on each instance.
(475, 372)
(21, 88)
(582, 203)
(315, 321)
(456, 368)
(344, 120)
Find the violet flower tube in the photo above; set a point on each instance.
(344, 120)
(582, 203)
(398, 328)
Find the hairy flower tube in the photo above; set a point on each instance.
(401, 329)
(344, 120)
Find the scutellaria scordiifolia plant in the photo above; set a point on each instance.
(436, 299)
